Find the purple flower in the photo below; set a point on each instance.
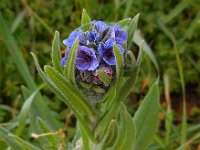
(120, 35)
(100, 26)
(72, 37)
(107, 53)
(93, 37)
(86, 59)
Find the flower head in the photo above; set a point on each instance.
(86, 59)
(93, 37)
(72, 37)
(120, 35)
(100, 26)
(107, 53)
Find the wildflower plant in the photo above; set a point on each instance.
(93, 79)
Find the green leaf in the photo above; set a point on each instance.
(123, 131)
(131, 134)
(85, 19)
(104, 77)
(74, 97)
(130, 63)
(119, 60)
(55, 54)
(147, 118)
(138, 39)
(85, 139)
(131, 30)
(122, 93)
(25, 110)
(24, 144)
(53, 87)
(69, 71)
(11, 142)
(111, 135)
(124, 22)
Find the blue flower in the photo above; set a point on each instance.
(93, 37)
(120, 35)
(72, 37)
(86, 59)
(100, 26)
(107, 53)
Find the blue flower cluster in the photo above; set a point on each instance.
(96, 46)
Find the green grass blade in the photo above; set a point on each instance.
(42, 22)
(15, 53)
(128, 8)
(69, 71)
(180, 70)
(24, 144)
(55, 54)
(138, 39)
(52, 139)
(131, 30)
(4, 136)
(178, 9)
(147, 118)
(18, 20)
(40, 107)
(25, 111)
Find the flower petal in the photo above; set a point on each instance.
(70, 40)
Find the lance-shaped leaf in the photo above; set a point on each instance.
(119, 60)
(10, 141)
(131, 30)
(130, 63)
(104, 77)
(52, 86)
(85, 18)
(111, 135)
(123, 130)
(78, 101)
(147, 118)
(69, 71)
(126, 136)
(131, 134)
(120, 97)
(55, 54)
(124, 22)
(24, 144)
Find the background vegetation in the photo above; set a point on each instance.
(171, 29)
